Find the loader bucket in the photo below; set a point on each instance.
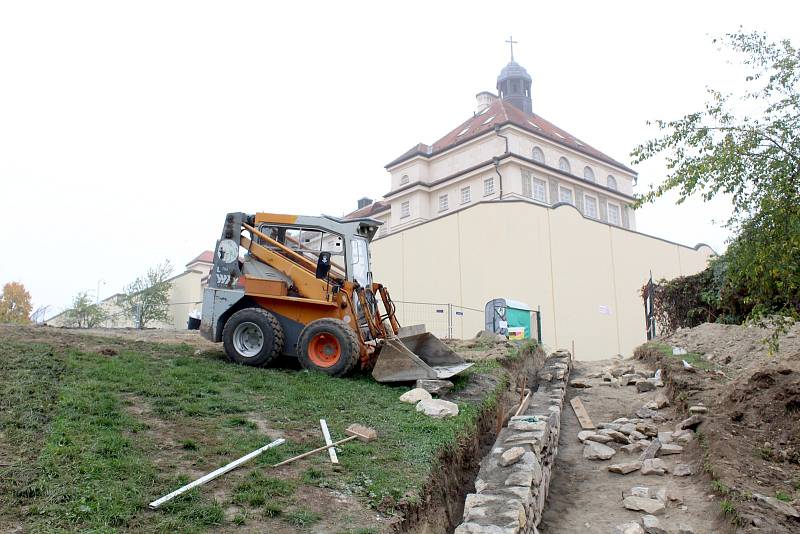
(416, 355)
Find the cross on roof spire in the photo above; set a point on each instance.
(512, 42)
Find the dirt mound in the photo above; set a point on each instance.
(738, 347)
(751, 433)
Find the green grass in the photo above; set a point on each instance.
(86, 433)
(783, 496)
(694, 359)
(302, 518)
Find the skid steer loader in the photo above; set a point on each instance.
(302, 286)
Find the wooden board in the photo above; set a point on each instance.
(327, 435)
(582, 414)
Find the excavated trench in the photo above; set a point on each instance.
(441, 506)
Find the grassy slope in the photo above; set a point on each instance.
(95, 437)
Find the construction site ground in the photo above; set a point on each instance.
(751, 434)
(586, 497)
(94, 425)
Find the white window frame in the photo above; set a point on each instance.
(591, 175)
(527, 184)
(596, 206)
(609, 179)
(568, 169)
(488, 186)
(468, 190)
(404, 179)
(619, 214)
(405, 209)
(444, 206)
(540, 151)
(544, 190)
(571, 194)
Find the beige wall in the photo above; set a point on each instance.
(554, 258)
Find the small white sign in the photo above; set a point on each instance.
(604, 310)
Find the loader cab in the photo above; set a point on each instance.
(348, 253)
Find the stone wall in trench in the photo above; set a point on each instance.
(514, 478)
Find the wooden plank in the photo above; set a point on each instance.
(328, 441)
(582, 414)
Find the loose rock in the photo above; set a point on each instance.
(435, 387)
(690, 423)
(580, 383)
(511, 456)
(651, 450)
(644, 386)
(597, 451)
(615, 435)
(437, 408)
(599, 438)
(646, 413)
(698, 410)
(652, 525)
(682, 470)
(670, 448)
(777, 505)
(629, 528)
(654, 466)
(649, 506)
(584, 434)
(624, 469)
(415, 395)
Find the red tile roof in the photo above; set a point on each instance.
(368, 211)
(207, 256)
(500, 113)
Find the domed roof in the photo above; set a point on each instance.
(514, 70)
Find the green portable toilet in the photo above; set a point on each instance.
(509, 317)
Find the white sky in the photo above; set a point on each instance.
(129, 129)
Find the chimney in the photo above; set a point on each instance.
(485, 99)
(364, 202)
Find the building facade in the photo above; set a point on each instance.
(504, 151)
(508, 205)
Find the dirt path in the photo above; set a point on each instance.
(585, 497)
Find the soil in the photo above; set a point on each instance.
(585, 497)
(752, 430)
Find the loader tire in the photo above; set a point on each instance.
(328, 346)
(252, 336)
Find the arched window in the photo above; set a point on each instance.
(611, 182)
(404, 179)
(538, 155)
(563, 164)
(588, 174)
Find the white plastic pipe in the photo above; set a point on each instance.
(214, 474)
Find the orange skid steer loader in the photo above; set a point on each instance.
(302, 286)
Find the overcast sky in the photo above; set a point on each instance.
(129, 129)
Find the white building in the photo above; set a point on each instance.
(509, 205)
(504, 152)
